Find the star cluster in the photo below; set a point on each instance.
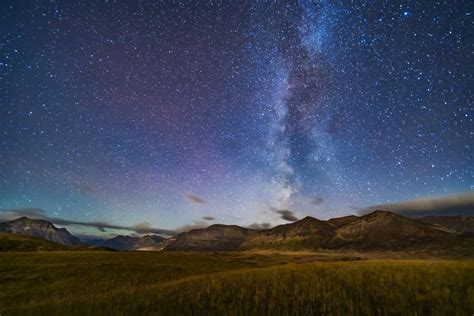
(135, 112)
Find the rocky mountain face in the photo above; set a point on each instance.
(214, 237)
(383, 230)
(128, 243)
(39, 229)
(462, 224)
(379, 230)
(304, 233)
(341, 221)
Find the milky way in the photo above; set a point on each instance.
(140, 112)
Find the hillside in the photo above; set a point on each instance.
(462, 224)
(15, 242)
(10, 242)
(384, 230)
(214, 237)
(307, 233)
(341, 221)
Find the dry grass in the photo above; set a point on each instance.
(94, 283)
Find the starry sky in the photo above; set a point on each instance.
(234, 111)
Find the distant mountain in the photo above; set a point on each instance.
(215, 237)
(462, 224)
(39, 229)
(379, 230)
(128, 243)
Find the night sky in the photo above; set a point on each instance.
(140, 112)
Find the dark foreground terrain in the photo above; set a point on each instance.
(239, 283)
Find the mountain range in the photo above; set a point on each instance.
(128, 243)
(377, 231)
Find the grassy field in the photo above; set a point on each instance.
(114, 283)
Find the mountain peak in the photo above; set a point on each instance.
(382, 214)
(308, 219)
(30, 220)
(223, 226)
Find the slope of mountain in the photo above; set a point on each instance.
(384, 230)
(462, 224)
(15, 242)
(128, 243)
(341, 221)
(214, 237)
(40, 229)
(150, 242)
(306, 233)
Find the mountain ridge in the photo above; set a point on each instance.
(376, 231)
(130, 243)
(215, 237)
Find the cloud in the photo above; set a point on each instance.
(195, 199)
(260, 226)
(208, 218)
(287, 215)
(28, 212)
(143, 228)
(195, 225)
(459, 204)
